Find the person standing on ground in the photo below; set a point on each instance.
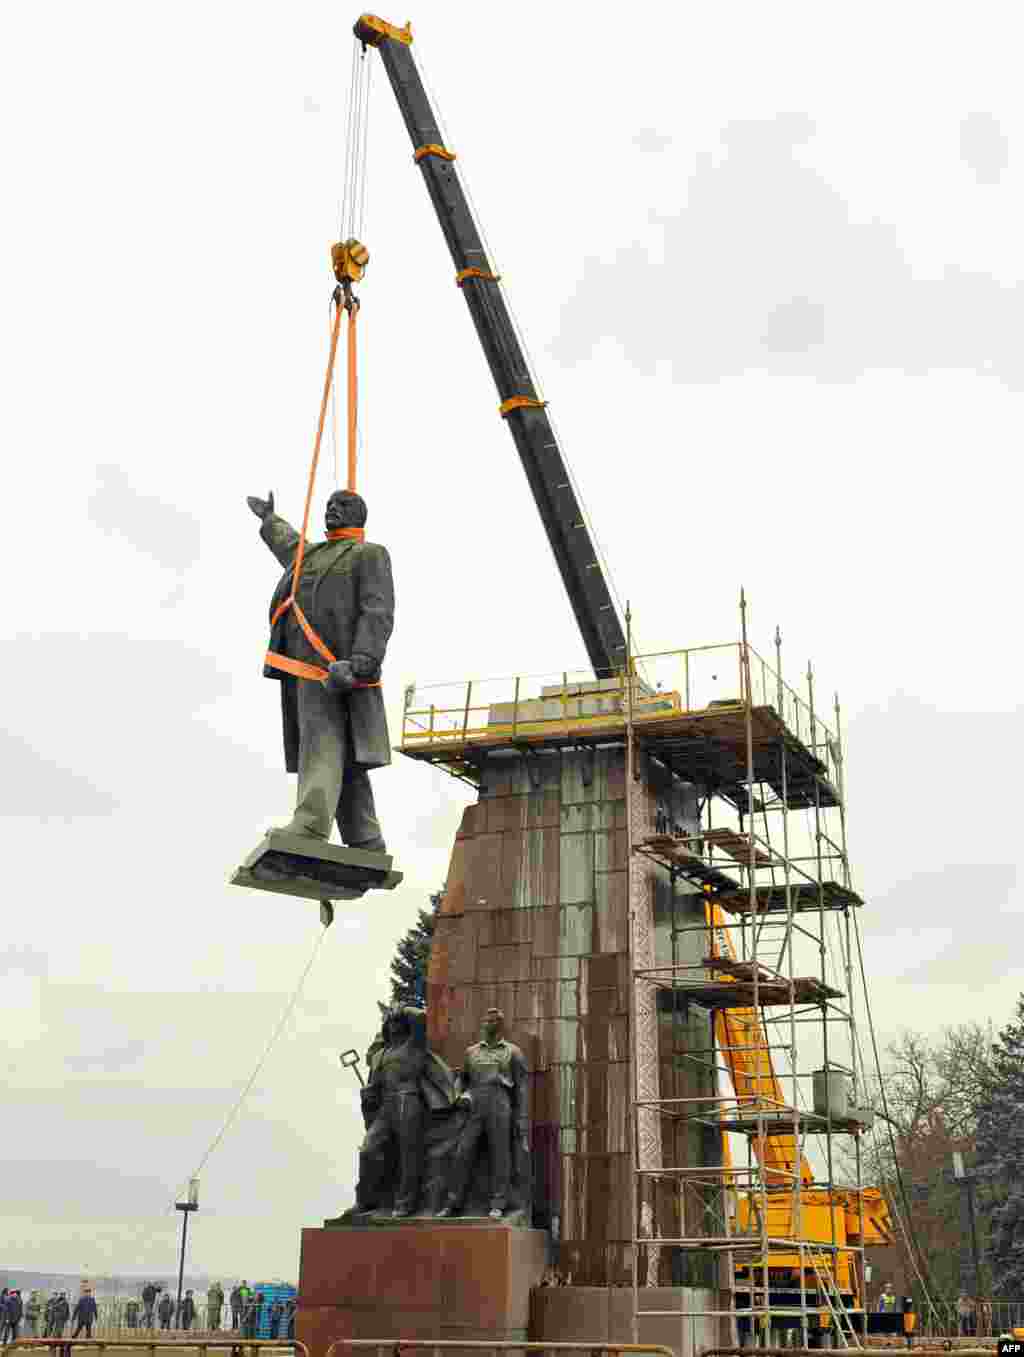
(290, 1319)
(61, 1314)
(253, 1313)
(188, 1311)
(244, 1302)
(84, 1314)
(214, 1305)
(165, 1310)
(887, 1300)
(15, 1310)
(149, 1295)
(32, 1312)
(235, 1302)
(276, 1311)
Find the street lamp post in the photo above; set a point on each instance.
(967, 1180)
(192, 1204)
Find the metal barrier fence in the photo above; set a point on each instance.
(251, 1346)
(396, 1346)
(112, 1319)
(992, 1317)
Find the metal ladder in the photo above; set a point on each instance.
(846, 1334)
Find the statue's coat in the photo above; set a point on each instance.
(348, 597)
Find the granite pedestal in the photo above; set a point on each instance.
(420, 1279)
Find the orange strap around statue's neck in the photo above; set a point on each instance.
(343, 534)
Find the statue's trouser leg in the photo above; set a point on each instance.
(357, 814)
(464, 1156)
(408, 1122)
(497, 1112)
(371, 1157)
(323, 745)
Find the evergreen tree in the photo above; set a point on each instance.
(1001, 1158)
(409, 967)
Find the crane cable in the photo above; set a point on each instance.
(353, 207)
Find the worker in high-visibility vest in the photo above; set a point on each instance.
(887, 1300)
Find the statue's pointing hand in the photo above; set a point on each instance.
(262, 508)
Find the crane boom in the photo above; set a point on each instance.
(524, 412)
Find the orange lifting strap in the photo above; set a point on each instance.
(298, 668)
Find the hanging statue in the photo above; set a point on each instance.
(335, 731)
(329, 636)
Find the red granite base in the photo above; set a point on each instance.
(429, 1281)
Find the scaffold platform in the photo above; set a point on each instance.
(742, 990)
(807, 895)
(707, 747)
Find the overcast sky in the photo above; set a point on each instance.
(767, 259)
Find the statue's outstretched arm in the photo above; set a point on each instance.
(281, 538)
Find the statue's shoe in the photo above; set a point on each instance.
(496, 1213)
(447, 1212)
(370, 846)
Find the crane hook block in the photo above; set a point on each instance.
(349, 259)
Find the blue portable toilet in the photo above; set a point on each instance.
(272, 1291)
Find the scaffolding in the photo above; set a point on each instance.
(767, 847)
(744, 1080)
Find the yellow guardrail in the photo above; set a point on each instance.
(666, 683)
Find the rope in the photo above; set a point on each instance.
(353, 419)
(301, 551)
(279, 1027)
(299, 668)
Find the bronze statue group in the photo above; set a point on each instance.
(432, 1132)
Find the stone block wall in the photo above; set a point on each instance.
(535, 921)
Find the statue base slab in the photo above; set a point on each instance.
(442, 1279)
(293, 864)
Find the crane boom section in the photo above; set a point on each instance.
(524, 412)
(742, 1039)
